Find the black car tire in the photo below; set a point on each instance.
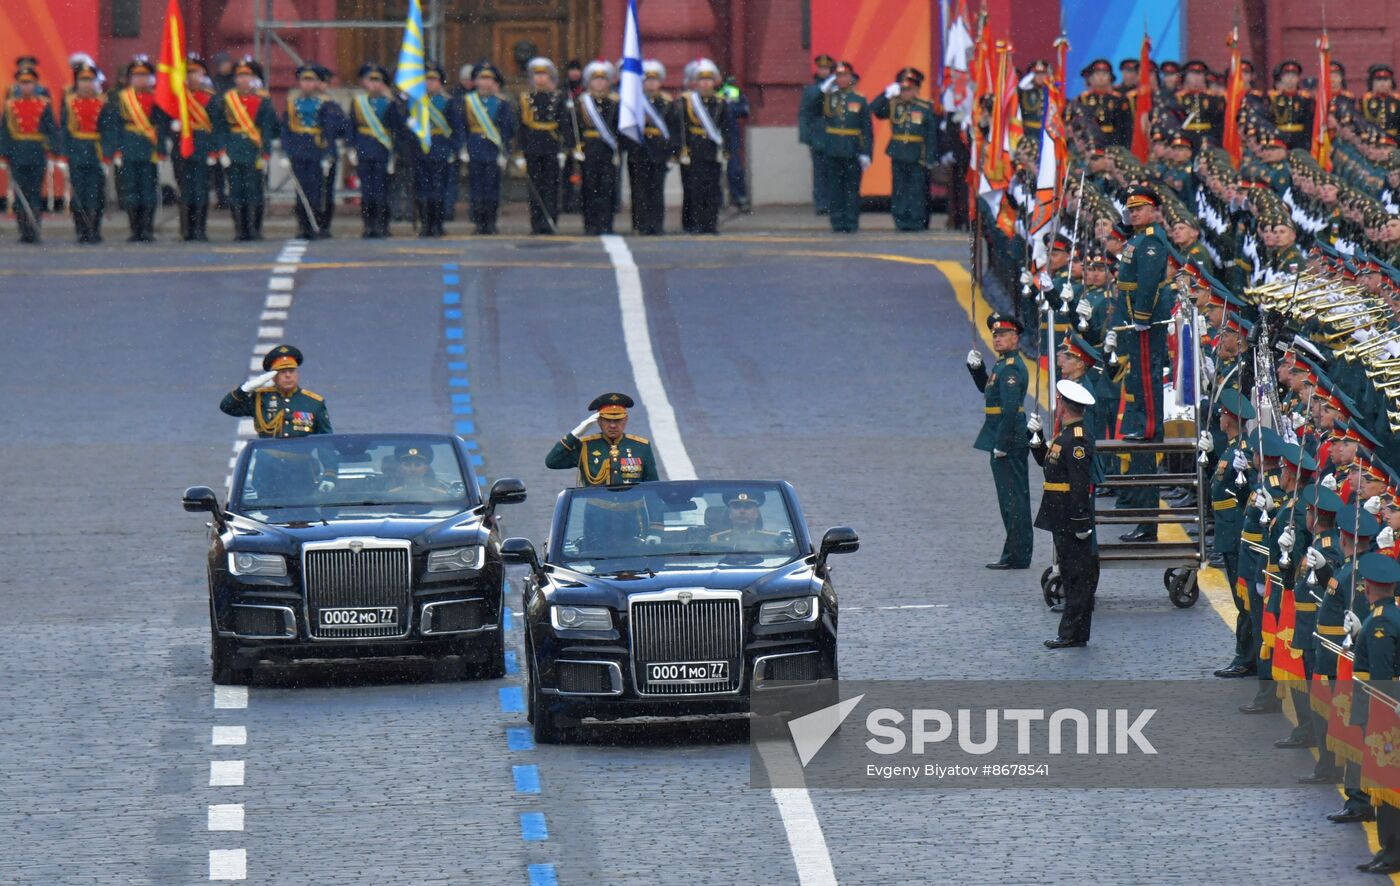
(546, 729)
(494, 667)
(223, 658)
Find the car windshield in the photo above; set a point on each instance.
(311, 478)
(677, 525)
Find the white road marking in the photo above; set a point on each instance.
(230, 697)
(245, 427)
(261, 348)
(226, 773)
(804, 830)
(255, 364)
(277, 300)
(289, 268)
(273, 315)
(270, 331)
(229, 735)
(280, 284)
(226, 817)
(228, 864)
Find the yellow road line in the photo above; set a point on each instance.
(265, 267)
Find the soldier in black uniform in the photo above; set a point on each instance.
(596, 150)
(1104, 106)
(702, 119)
(1292, 107)
(546, 132)
(1205, 111)
(1067, 509)
(648, 163)
(1380, 105)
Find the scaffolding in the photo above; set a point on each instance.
(266, 28)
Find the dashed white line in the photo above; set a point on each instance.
(804, 831)
(289, 268)
(230, 697)
(270, 331)
(278, 300)
(283, 284)
(226, 817)
(229, 735)
(226, 773)
(273, 315)
(228, 864)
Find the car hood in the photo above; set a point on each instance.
(788, 580)
(424, 532)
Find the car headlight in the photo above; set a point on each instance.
(246, 563)
(580, 618)
(788, 611)
(457, 559)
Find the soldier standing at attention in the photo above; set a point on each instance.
(546, 130)
(1380, 104)
(704, 118)
(1067, 510)
(1003, 435)
(648, 163)
(1378, 661)
(1205, 109)
(596, 151)
(246, 126)
(849, 141)
(1292, 108)
(376, 118)
(1100, 103)
(309, 142)
(913, 147)
(811, 130)
(489, 131)
(133, 135)
(431, 170)
(28, 136)
(82, 151)
(192, 172)
(612, 458)
(276, 401)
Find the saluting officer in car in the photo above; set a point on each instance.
(276, 401)
(612, 458)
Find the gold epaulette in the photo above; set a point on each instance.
(590, 438)
(1078, 431)
(635, 439)
(270, 389)
(313, 395)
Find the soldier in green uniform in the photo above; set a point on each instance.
(1378, 661)
(134, 133)
(245, 126)
(1267, 447)
(913, 147)
(1330, 558)
(1003, 435)
(1032, 99)
(28, 135)
(276, 401)
(702, 127)
(192, 172)
(811, 130)
(1229, 495)
(848, 141)
(746, 532)
(1271, 165)
(82, 152)
(611, 458)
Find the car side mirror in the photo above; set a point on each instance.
(202, 498)
(505, 491)
(520, 550)
(837, 540)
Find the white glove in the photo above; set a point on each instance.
(464, 155)
(997, 453)
(864, 162)
(1315, 558)
(1262, 500)
(174, 125)
(283, 163)
(1330, 482)
(116, 161)
(1084, 309)
(390, 168)
(584, 425)
(578, 154)
(1352, 624)
(560, 157)
(892, 90)
(326, 166)
(1373, 505)
(211, 160)
(829, 85)
(1386, 538)
(1026, 278)
(1298, 419)
(1044, 282)
(1208, 367)
(326, 485)
(61, 166)
(520, 163)
(1140, 327)
(224, 161)
(353, 157)
(256, 382)
(1034, 424)
(1083, 535)
(685, 159)
(1205, 442)
(500, 161)
(1240, 462)
(1287, 539)
(974, 359)
(653, 541)
(1110, 341)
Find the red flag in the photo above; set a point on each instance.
(172, 94)
(1142, 107)
(1343, 739)
(1287, 661)
(996, 163)
(1234, 99)
(1061, 60)
(1321, 134)
(1380, 761)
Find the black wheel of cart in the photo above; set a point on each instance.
(1045, 577)
(1167, 577)
(1053, 589)
(1184, 590)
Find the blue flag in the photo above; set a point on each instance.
(632, 114)
(408, 77)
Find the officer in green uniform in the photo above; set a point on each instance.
(1003, 435)
(611, 458)
(1271, 164)
(1329, 557)
(28, 135)
(913, 147)
(811, 131)
(245, 126)
(192, 172)
(1230, 483)
(848, 140)
(276, 401)
(746, 532)
(1267, 446)
(1378, 661)
(82, 151)
(1108, 109)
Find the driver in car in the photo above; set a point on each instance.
(746, 532)
(416, 472)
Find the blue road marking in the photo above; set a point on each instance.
(512, 666)
(473, 445)
(461, 398)
(458, 381)
(450, 280)
(476, 461)
(465, 427)
(461, 409)
(512, 699)
(451, 298)
(457, 366)
(543, 875)
(452, 313)
(532, 826)
(527, 778)
(453, 332)
(456, 349)
(518, 738)
(506, 616)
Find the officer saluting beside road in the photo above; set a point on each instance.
(1067, 510)
(276, 401)
(1003, 434)
(612, 458)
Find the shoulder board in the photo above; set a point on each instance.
(267, 390)
(1327, 542)
(635, 439)
(590, 438)
(313, 395)
(1078, 431)
(1148, 230)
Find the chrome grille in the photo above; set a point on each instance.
(337, 575)
(708, 628)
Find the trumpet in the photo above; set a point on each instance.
(1363, 349)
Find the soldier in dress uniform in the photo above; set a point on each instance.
(1107, 108)
(546, 134)
(701, 119)
(1031, 98)
(431, 169)
(649, 162)
(377, 118)
(1204, 110)
(1380, 104)
(913, 147)
(28, 138)
(134, 134)
(1292, 107)
(1343, 103)
(1067, 509)
(339, 133)
(811, 130)
(1003, 436)
(1230, 485)
(310, 129)
(276, 401)
(246, 126)
(610, 458)
(192, 172)
(82, 152)
(1378, 661)
(746, 532)
(849, 142)
(596, 151)
(488, 134)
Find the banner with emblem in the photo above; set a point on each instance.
(1380, 760)
(1343, 739)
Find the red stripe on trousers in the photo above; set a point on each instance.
(1144, 352)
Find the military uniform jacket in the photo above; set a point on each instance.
(694, 137)
(1142, 275)
(913, 129)
(1067, 504)
(1253, 552)
(590, 140)
(133, 125)
(601, 463)
(500, 114)
(546, 123)
(1032, 102)
(202, 103)
(81, 136)
(1293, 115)
(1382, 110)
(811, 128)
(1229, 499)
(1377, 654)
(30, 132)
(276, 415)
(1111, 112)
(244, 143)
(310, 127)
(1310, 585)
(1004, 393)
(375, 128)
(1209, 122)
(846, 118)
(1334, 585)
(655, 147)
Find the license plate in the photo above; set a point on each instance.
(688, 672)
(361, 617)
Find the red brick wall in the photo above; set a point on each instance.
(1362, 33)
(777, 67)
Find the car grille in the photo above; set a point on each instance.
(698, 631)
(373, 577)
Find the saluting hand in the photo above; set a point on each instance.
(584, 425)
(256, 382)
(1386, 538)
(1373, 505)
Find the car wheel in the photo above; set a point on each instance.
(223, 658)
(546, 728)
(494, 667)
